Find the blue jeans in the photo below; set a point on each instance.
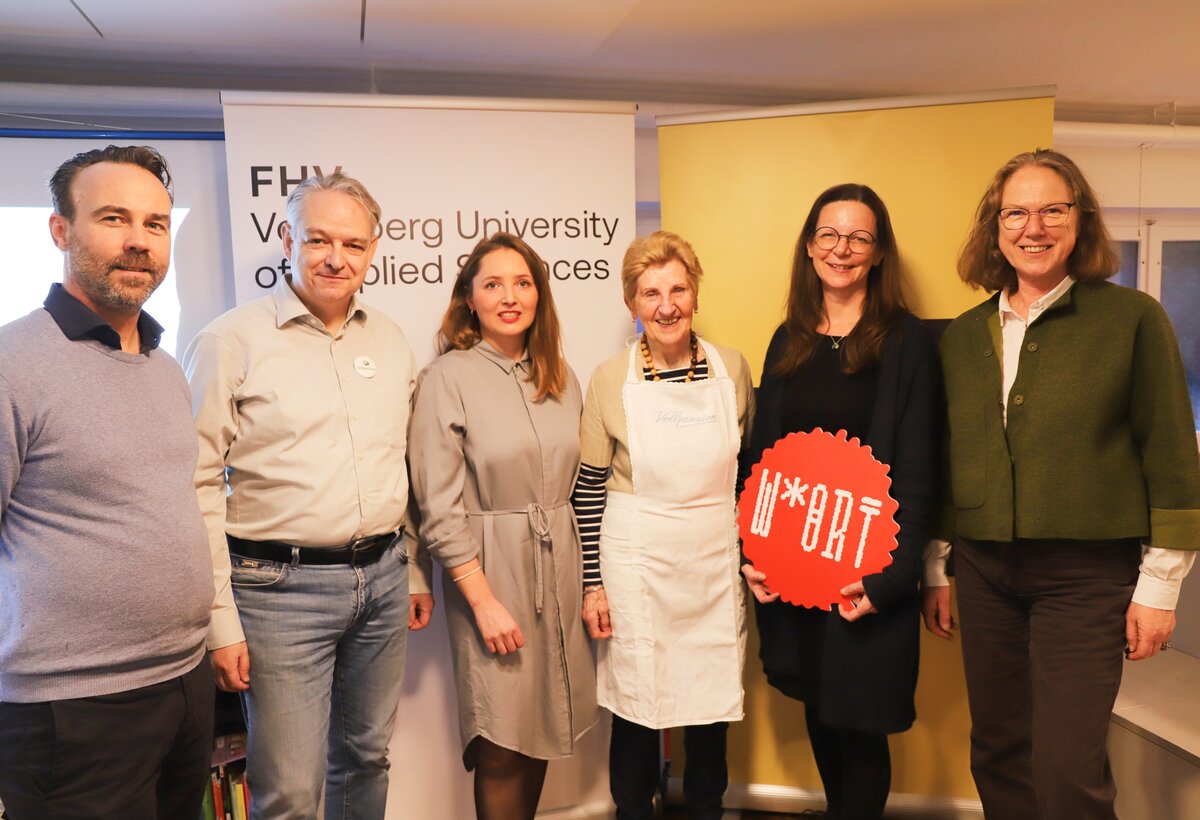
(326, 650)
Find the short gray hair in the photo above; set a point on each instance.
(336, 182)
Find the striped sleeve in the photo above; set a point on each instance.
(588, 500)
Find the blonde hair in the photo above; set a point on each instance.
(658, 248)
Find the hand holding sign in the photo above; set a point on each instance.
(816, 516)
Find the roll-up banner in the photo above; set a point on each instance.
(738, 185)
(447, 172)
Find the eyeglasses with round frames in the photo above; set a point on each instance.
(827, 239)
(1052, 216)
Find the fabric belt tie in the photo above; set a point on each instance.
(539, 527)
(361, 552)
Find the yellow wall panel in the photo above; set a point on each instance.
(739, 192)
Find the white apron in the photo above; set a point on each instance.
(669, 557)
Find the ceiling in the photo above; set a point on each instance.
(1114, 61)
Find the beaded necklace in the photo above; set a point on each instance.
(650, 359)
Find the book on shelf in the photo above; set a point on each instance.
(237, 786)
(208, 809)
(227, 797)
(214, 791)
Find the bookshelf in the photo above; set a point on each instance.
(226, 797)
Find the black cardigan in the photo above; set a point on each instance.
(869, 668)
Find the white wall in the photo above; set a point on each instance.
(1155, 179)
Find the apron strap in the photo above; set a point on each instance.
(716, 367)
(634, 375)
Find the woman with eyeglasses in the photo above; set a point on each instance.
(848, 356)
(1076, 490)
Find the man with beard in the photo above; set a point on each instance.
(105, 577)
(301, 401)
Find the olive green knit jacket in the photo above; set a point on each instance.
(1100, 441)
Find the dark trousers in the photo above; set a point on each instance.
(633, 769)
(1043, 627)
(855, 768)
(144, 754)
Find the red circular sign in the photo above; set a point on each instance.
(816, 516)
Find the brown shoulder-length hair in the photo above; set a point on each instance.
(806, 304)
(460, 326)
(982, 265)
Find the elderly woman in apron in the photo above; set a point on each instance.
(662, 428)
(494, 451)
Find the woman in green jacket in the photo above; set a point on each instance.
(1076, 490)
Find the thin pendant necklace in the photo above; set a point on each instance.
(691, 374)
(836, 341)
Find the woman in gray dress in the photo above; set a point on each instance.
(494, 449)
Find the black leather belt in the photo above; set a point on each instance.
(357, 553)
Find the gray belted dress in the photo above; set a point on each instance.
(492, 471)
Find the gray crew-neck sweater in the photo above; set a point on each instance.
(105, 575)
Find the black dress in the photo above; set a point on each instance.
(859, 675)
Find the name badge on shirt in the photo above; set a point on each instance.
(365, 367)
